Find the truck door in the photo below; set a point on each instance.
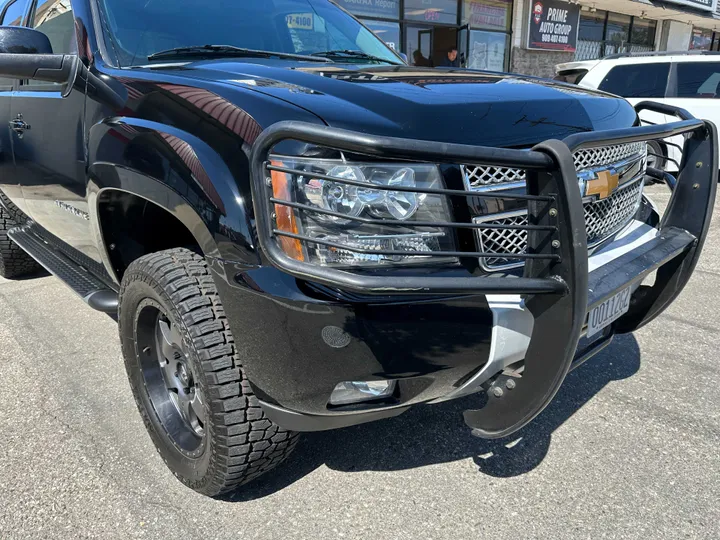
(48, 139)
(12, 13)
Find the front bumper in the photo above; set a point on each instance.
(428, 329)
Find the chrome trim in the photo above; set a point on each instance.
(478, 236)
(513, 324)
(623, 185)
(621, 168)
(640, 177)
(629, 239)
(494, 187)
(626, 162)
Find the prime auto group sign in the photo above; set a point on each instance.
(553, 26)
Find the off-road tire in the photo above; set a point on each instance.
(240, 443)
(14, 262)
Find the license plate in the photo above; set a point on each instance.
(608, 312)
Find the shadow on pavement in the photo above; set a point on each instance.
(434, 434)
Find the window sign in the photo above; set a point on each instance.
(487, 50)
(387, 31)
(386, 9)
(553, 25)
(488, 14)
(300, 21)
(706, 5)
(432, 11)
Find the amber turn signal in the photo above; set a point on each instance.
(284, 215)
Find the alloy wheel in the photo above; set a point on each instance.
(169, 379)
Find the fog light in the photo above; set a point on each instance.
(349, 392)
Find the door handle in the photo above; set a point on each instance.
(19, 125)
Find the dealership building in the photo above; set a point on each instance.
(532, 36)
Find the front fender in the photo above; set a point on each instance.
(178, 172)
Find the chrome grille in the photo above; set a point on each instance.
(479, 177)
(607, 155)
(492, 176)
(608, 216)
(503, 240)
(603, 218)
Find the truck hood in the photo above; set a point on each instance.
(453, 106)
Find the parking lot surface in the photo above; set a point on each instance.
(629, 448)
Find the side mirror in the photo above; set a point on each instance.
(404, 57)
(27, 54)
(19, 40)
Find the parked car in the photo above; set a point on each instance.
(689, 80)
(296, 231)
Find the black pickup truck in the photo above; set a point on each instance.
(297, 231)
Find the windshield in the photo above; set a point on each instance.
(141, 28)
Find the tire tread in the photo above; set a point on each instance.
(244, 443)
(14, 262)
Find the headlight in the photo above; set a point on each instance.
(353, 221)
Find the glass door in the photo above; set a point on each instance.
(419, 45)
(425, 40)
(463, 45)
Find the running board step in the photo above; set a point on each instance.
(93, 291)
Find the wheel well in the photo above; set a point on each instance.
(132, 227)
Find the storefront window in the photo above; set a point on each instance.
(488, 50)
(604, 33)
(592, 26)
(384, 9)
(618, 28)
(701, 39)
(643, 32)
(387, 31)
(488, 14)
(716, 42)
(432, 11)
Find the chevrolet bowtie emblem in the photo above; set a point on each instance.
(603, 186)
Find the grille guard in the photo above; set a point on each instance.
(556, 284)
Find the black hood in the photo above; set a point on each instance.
(458, 106)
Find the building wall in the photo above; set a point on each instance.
(538, 63)
(676, 36)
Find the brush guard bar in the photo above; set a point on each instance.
(556, 285)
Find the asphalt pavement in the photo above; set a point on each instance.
(629, 448)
